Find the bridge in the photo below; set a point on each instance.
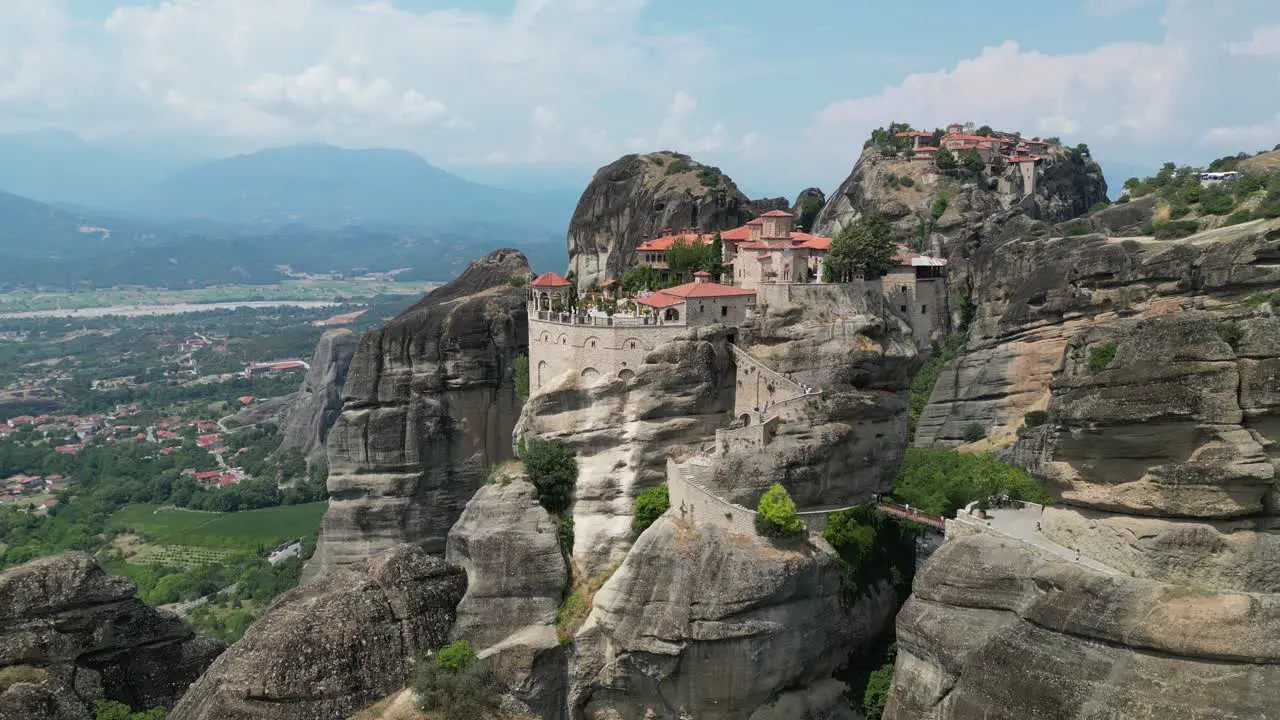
(906, 512)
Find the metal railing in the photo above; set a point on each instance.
(565, 318)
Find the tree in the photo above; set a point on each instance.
(971, 160)
(877, 692)
(686, 256)
(776, 514)
(640, 277)
(865, 246)
(944, 159)
(985, 131)
(809, 208)
(553, 470)
(1081, 150)
(650, 505)
(715, 257)
(522, 377)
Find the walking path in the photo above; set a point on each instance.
(1024, 525)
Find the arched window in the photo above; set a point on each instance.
(564, 339)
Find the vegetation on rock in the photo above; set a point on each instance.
(944, 159)
(553, 470)
(973, 432)
(874, 549)
(941, 482)
(112, 710)
(453, 685)
(650, 505)
(776, 513)
(806, 213)
(577, 604)
(522, 377)
(876, 695)
(864, 247)
(1100, 356)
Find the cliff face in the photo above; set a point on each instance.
(429, 404)
(71, 635)
(335, 646)
(701, 622)
(1157, 366)
(636, 197)
(317, 404)
(1065, 186)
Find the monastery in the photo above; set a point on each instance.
(608, 334)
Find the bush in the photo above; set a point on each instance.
(877, 692)
(776, 514)
(890, 179)
(944, 159)
(453, 685)
(650, 505)
(1177, 229)
(874, 548)
(564, 533)
(1237, 217)
(906, 182)
(1122, 199)
(1075, 228)
(1101, 205)
(1216, 201)
(678, 165)
(973, 432)
(1260, 299)
(1035, 418)
(522, 377)
(112, 710)
(552, 469)
(939, 206)
(941, 482)
(1100, 356)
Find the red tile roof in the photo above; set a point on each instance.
(914, 133)
(665, 242)
(738, 233)
(978, 138)
(757, 221)
(815, 242)
(659, 300)
(550, 280)
(609, 283)
(777, 213)
(706, 290)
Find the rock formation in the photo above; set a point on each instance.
(636, 197)
(1156, 368)
(71, 635)
(1066, 186)
(317, 404)
(335, 646)
(429, 405)
(703, 623)
(808, 204)
(516, 577)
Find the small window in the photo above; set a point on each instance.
(633, 346)
(724, 311)
(924, 309)
(593, 343)
(902, 308)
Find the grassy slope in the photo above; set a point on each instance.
(240, 530)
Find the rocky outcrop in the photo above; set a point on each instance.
(429, 404)
(996, 630)
(808, 204)
(317, 404)
(635, 198)
(702, 622)
(623, 430)
(335, 646)
(71, 635)
(516, 577)
(1066, 186)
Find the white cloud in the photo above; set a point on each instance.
(1265, 42)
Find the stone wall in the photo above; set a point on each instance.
(921, 303)
(591, 352)
(751, 437)
(691, 502)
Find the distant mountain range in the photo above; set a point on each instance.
(103, 217)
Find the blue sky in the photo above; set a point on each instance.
(778, 95)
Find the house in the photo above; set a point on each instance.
(208, 475)
(702, 302)
(209, 441)
(226, 479)
(919, 138)
(245, 399)
(769, 250)
(68, 449)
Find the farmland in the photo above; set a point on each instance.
(245, 530)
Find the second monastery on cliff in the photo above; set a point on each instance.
(609, 334)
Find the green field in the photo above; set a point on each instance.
(222, 531)
(181, 556)
(330, 290)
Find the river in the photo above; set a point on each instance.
(168, 309)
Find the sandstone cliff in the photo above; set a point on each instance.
(1155, 370)
(1066, 185)
(317, 404)
(335, 646)
(71, 635)
(636, 197)
(700, 622)
(429, 404)
(516, 577)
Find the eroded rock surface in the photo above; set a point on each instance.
(703, 622)
(317, 404)
(429, 404)
(335, 646)
(516, 577)
(70, 635)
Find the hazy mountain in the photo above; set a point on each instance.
(326, 186)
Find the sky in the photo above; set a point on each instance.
(780, 96)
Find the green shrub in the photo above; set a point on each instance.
(677, 166)
(458, 656)
(452, 685)
(1216, 201)
(112, 710)
(1100, 356)
(1178, 210)
(650, 505)
(877, 692)
(1237, 217)
(906, 182)
(564, 533)
(890, 179)
(552, 469)
(927, 376)
(973, 432)
(1075, 228)
(1260, 299)
(1175, 229)
(1035, 418)
(1231, 333)
(939, 206)
(776, 514)
(1122, 199)
(1101, 205)
(941, 482)
(522, 377)
(874, 548)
